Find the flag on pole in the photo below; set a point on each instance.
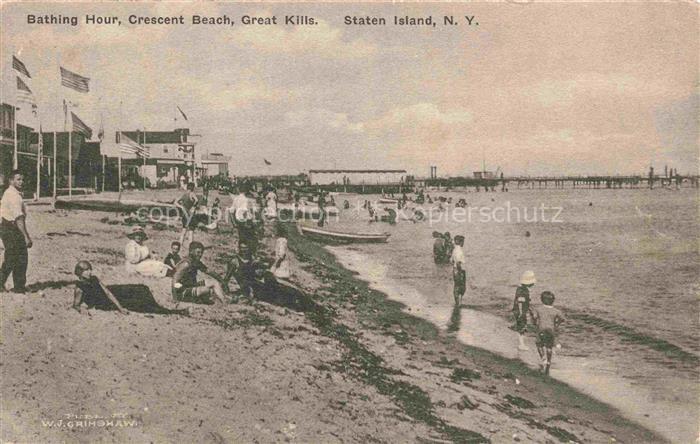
(74, 81)
(80, 126)
(24, 94)
(184, 116)
(129, 146)
(19, 66)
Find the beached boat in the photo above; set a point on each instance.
(332, 236)
(385, 200)
(91, 203)
(309, 211)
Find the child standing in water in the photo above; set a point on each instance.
(459, 272)
(521, 306)
(547, 319)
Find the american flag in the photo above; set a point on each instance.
(19, 66)
(80, 126)
(127, 145)
(74, 81)
(24, 94)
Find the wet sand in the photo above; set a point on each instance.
(673, 417)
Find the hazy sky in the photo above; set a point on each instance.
(535, 88)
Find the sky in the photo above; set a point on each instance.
(535, 88)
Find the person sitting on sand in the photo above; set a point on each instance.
(281, 266)
(521, 306)
(138, 256)
(90, 292)
(173, 258)
(547, 319)
(187, 288)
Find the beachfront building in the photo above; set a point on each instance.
(357, 177)
(215, 164)
(86, 165)
(7, 141)
(170, 156)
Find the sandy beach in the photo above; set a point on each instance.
(349, 366)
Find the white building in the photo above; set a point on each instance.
(215, 164)
(357, 177)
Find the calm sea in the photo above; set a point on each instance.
(624, 266)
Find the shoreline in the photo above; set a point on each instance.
(486, 331)
(412, 324)
(347, 365)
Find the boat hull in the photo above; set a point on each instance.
(114, 206)
(336, 237)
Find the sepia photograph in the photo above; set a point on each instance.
(349, 222)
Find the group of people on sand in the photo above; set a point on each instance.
(191, 280)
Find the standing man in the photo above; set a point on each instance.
(15, 237)
(243, 216)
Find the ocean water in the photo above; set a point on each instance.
(624, 266)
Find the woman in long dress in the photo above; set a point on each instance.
(138, 256)
(281, 266)
(271, 204)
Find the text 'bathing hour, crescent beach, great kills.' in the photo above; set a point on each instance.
(253, 20)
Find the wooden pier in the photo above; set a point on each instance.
(569, 182)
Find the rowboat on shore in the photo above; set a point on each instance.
(385, 200)
(340, 237)
(115, 205)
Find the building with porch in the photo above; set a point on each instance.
(171, 155)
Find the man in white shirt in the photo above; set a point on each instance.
(242, 215)
(15, 237)
(459, 272)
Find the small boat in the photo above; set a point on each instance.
(339, 237)
(115, 206)
(309, 211)
(385, 200)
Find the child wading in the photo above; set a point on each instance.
(547, 319)
(521, 306)
(91, 293)
(459, 272)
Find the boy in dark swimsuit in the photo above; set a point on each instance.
(173, 258)
(187, 288)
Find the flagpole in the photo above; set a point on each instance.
(119, 165)
(15, 160)
(144, 159)
(70, 155)
(38, 163)
(103, 172)
(55, 159)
